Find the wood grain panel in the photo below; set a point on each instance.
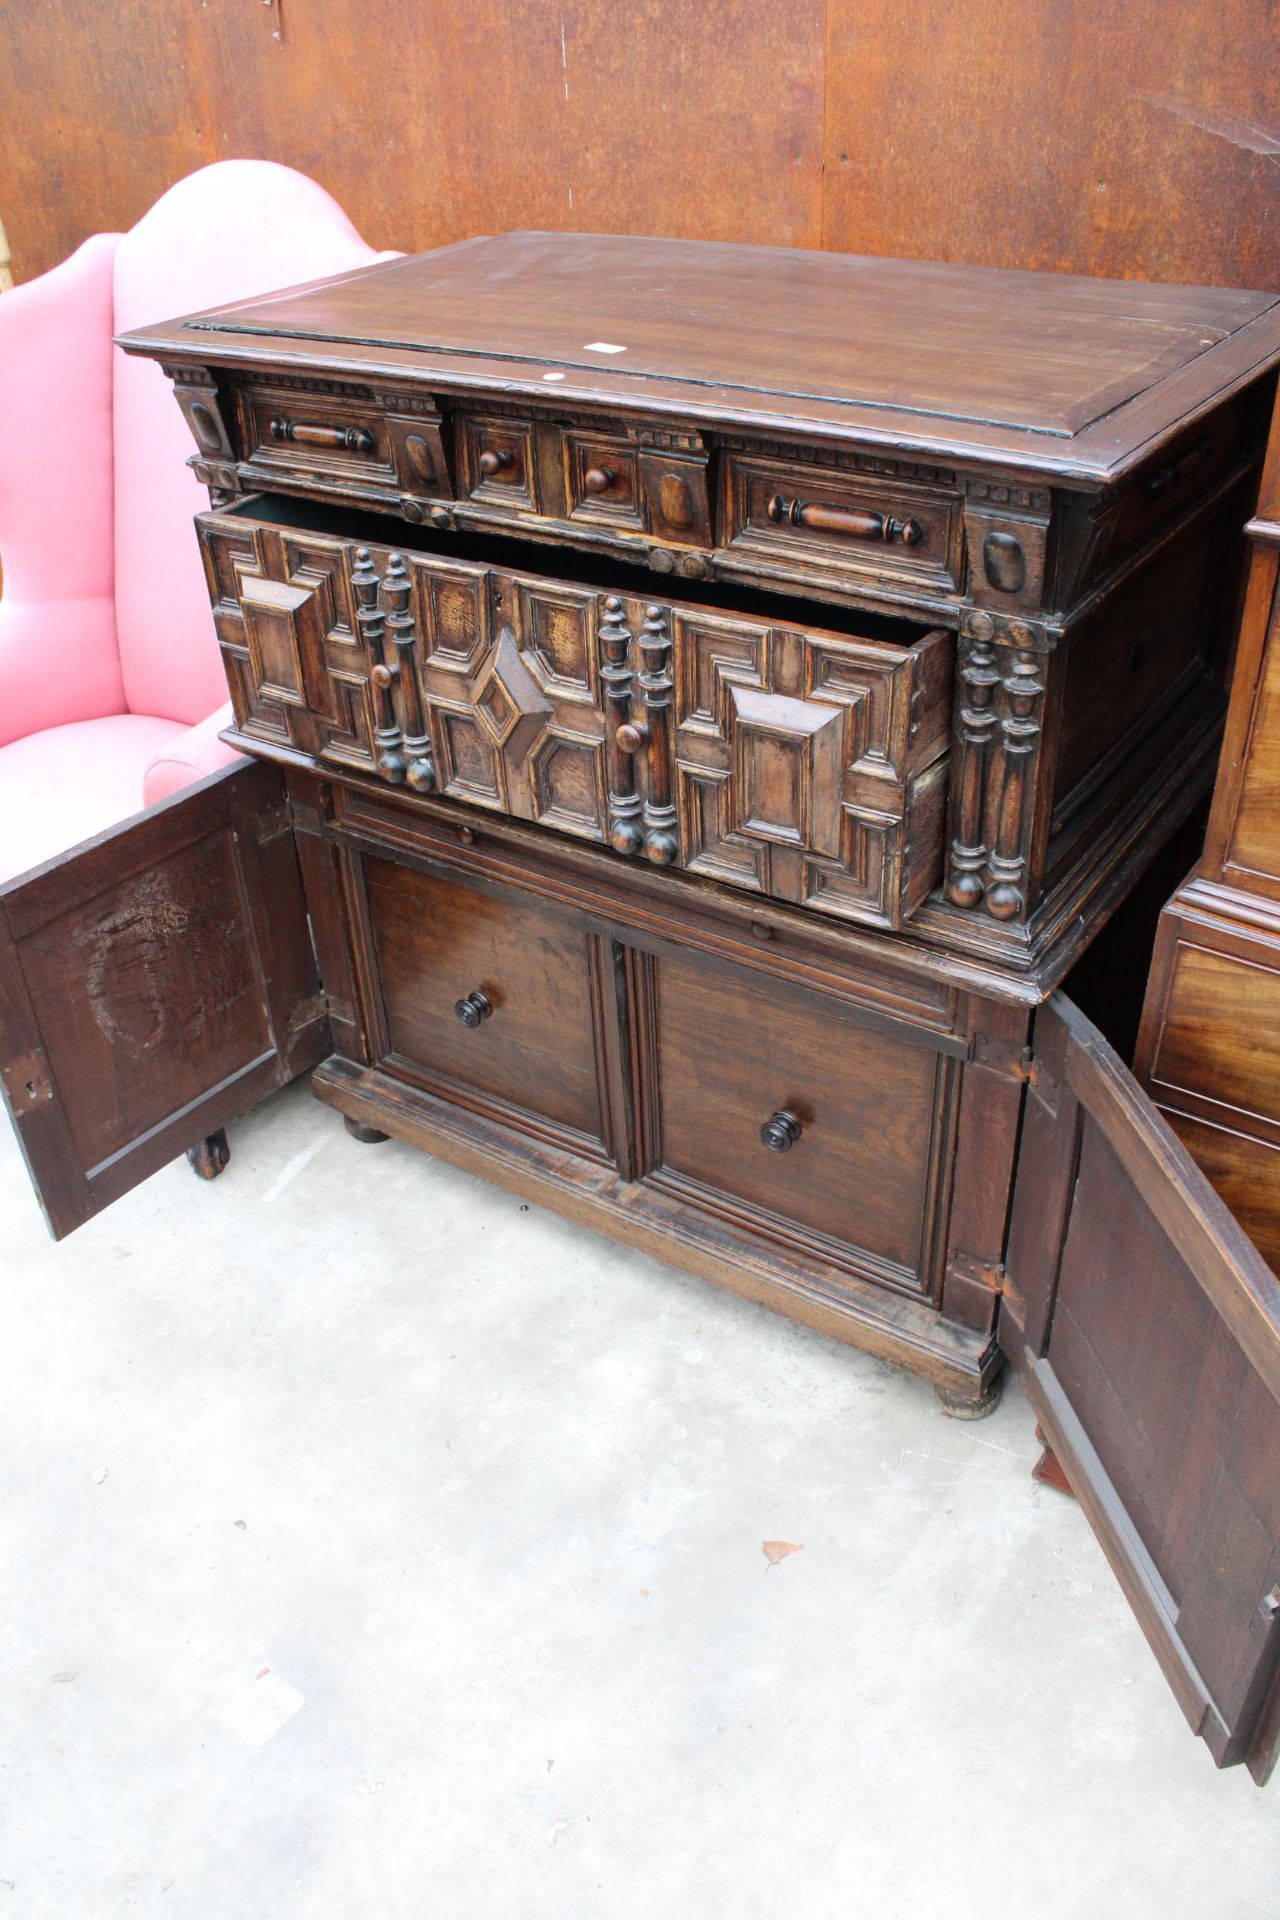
(429, 122)
(1244, 1173)
(1219, 1037)
(1127, 140)
(1080, 136)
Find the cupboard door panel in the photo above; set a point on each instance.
(154, 983)
(1146, 1329)
(489, 994)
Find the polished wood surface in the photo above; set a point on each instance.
(1133, 140)
(1209, 1046)
(1089, 575)
(950, 357)
(1036, 353)
(1209, 1050)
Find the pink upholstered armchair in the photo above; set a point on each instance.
(111, 684)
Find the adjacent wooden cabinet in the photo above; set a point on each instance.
(702, 701)
(1209, 1048)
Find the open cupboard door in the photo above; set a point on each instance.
(154, 983)
(1146, 1329)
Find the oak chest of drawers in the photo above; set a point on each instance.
(703, 700)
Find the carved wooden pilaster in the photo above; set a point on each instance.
(661, 842)
(997, 739)
(383, 673)
(975, 726)
(214, 462)
(621, 737)
(1023, 687)
(398, 589)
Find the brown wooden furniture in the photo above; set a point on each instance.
(1209, 1048)
(706, 699)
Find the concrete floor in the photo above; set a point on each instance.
(376, 1546)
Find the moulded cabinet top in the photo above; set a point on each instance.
(1041, 371)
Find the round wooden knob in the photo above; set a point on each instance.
(780, 1131)
(476, 1007)
(632, 735)
(598, 479)
(494, 460)
(382, 676)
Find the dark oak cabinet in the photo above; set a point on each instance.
(701, 702)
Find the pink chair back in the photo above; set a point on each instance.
(234, 229)
(58, 657)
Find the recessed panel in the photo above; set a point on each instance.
(152, 985)
(437, 943)
(860, 1169)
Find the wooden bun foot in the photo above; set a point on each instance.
(368, 1136)
(972, 1405)
(1048, 1468)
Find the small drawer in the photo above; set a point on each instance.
(485, 997)
(601, 482)
(833, 1130)
(307, 436)
(498, 460)
(823, 521)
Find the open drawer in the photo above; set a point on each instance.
(716, 731)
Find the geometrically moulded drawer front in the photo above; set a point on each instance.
(805, 764)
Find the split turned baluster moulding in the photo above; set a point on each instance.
(715, 694)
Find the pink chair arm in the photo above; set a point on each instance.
(59, 660)
(188, 758)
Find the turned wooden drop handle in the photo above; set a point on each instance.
(473, 1009)
(311, 434)
(598, 479)
(632, 736)
(781, 1131)
(854, 522)
(494, 460)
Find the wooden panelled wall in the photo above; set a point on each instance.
(1135, 137)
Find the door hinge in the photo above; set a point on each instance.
(320, 1006)
(1021, 1066)
(26, 1082)
(984, 1273)
(289, 817)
